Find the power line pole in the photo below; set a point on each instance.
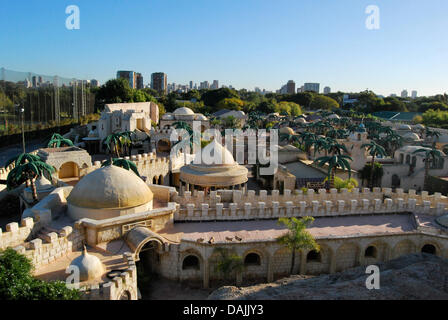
(57, 106)
(75, 100)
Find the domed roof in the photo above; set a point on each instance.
(110, 187)
(411, 136)
(89, 266)
(287, 130)
(183, 111)
(201, 117)
(404, 127)
(419, 126)
(300, 120)
(333, 116)
(214, 154)
(167, 116)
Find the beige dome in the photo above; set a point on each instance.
(334, 116)
(183, 111)
(201, 117)
(110, 187)
(411, 136)
(89, 266)
(287, 130)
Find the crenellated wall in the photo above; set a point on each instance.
(236, 205)
(123, 287)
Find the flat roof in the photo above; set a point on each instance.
(259, 230)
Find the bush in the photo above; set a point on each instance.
(17, 283)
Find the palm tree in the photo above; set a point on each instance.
(27, 172)
(333, 162)
(321, 144)
(289, 138)
(22, 159)
(122, 163)
(435, 134)
(307, 139)
(431, 155)
(116, 141)
(374, 150)
(57, 141)
(297, 237)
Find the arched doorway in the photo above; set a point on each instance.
(163, 145)
(69, 173)
(396, 182)
(147, 266)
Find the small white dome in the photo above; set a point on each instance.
(334, 116)
(404, 127)
(42, 184)
(167, 116)
(183, 111)
(89, 266)
(215, 154)
(287, 130)
(300, 120)
(201, 117)
(411, 136)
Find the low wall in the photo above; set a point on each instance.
(263, 206)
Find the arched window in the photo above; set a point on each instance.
(396, 182)
(429, 248)
(414, 161)
(190, 263)
(252, 259)
(313, 256)
(408, 159)
(370, 252)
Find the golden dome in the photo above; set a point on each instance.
(110, 187)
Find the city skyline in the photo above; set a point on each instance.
(240, 50)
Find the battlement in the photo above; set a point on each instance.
(16, 234)
(236, 205)
(123, 286)
(50, 246)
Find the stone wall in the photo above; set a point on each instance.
(123, 287)
(336, 254)
(248, 206)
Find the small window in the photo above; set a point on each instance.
(370, 252)
(252, 259)
(190, 263)
(313, 256)
(408, 159)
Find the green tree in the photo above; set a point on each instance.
(431, 155)
(230, 104)
(27, 169)
(374, 150)
(212, 97)
(122, 163)
(297, 237)
(323, 102)
(117, 141)
(114, 91)
(57, 141)
(228, 262)
(17, 282)
(333, 162)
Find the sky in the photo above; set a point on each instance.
(243, 43)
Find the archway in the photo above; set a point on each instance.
(252, 259)
(163, 145)
(147, 266)
(429, 248)
(396, 182)
(69, 173)
(191, 262)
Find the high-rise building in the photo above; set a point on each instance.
(311, 87)
(284, 89)
(291, 87)
(215, 85)
(204, 85)
(191, 85)
(299, 90)
(139, 80)
(159, 82)
(414, 94)
(404, 93)
(94, 83)
(130, 76)
(327, 90)
(34, 81)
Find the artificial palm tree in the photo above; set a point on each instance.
(431, 155)
(433, 133)
(116, 141)
(122, 163)
(289, 138)
(28, 172)
(57, 141)
(307, 139)
(374, 150)
(297, 236)
(22, 159)
(333, 162)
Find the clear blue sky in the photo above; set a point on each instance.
(245, 43)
